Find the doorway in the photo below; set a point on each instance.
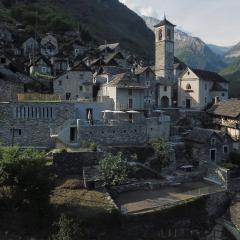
(188, 103)
(213, 155)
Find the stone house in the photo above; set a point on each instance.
(146, 76)
(76, 84)
(49, 46)
(30, 47)
(10, 85)
(109, 48)
(126, 91)
(226, 116)
(208, 146)
(6, 35)
(106, 73)
(30, 123)
(78, 49)
(60, 63)
(40, 65)
(199, 88)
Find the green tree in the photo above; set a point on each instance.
(26, 175)
(67, 229)
(161, 150)
(114, 169)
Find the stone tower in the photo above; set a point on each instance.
(164, 52)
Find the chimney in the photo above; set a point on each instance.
(216, 100)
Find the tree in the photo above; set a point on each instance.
(161, 150)
(114, 169)
(26, 175)
(67, 229)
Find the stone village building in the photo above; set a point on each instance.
(209, 146)
(226, 117)
(75, 84)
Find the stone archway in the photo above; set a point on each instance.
(165, 102)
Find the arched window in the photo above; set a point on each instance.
(188, 87)
(160, 36)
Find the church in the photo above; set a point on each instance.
(178, 85)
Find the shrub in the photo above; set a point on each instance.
(67, 229)
(63, 150)
(93, 147)
(114, 169)
(26, 174)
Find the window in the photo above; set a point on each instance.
(81, 75)
(168, 34)
(205, 100)
(213, 141)
(73, 134)
(225, 149)
(223, 94)
(44, 69)
(68, 95)
(160, 35)
(188, 86)
(130, 92)
(81, 88)
(3, 60)
(165, 88)
(59, 83)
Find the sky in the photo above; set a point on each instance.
(214, 21)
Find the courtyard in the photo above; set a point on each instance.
(142, 201)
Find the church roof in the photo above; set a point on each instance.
(209, 76)
(218, 88)
(164, 22)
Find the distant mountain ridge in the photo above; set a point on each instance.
(192, 50)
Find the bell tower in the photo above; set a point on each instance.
(164, 50)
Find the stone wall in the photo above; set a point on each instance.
(73, 163)
(29, 124)
(9, 90)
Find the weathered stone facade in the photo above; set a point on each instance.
(29, 124)
(9, 90)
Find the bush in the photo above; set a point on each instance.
(67, 229)
(63, 150)
(93, 147)
(26, 174)
(114, 169)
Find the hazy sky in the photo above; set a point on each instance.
(214, 21)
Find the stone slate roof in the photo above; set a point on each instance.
(229, 108)
(112, 70)
(82, 67)
(125, 80)
(209, 76)
(111, 46)
(141, 70)
(178, 64)
(164, 22)
(202, 135)
(218, 88)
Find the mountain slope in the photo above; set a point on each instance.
(193, 51)
(234, 52)
(232, 73)
(219, 50)
(107, 20)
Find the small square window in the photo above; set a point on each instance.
(19, 132)
(225, 149)
(165, 88)
(59, 83)
(130, 92)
